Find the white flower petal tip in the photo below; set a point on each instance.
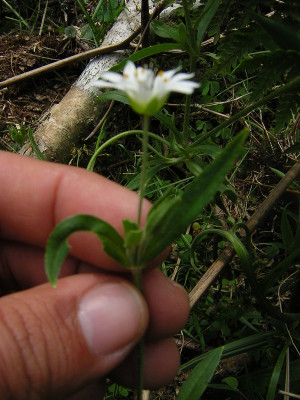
(146, 92)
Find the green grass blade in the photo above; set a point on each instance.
(205, 18)
(196, 384)
(89, 20)
(250, 343)
(276, 373)
(22, 20)
(35, 146)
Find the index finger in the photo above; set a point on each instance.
(36, 195)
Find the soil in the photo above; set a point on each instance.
(25, 103)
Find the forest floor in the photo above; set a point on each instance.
(227, 312)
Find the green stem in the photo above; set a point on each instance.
(187, 110)
(192, 44)
(137, 275)
(143, 178)
(110, 141)
(186, 119)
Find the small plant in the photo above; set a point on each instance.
(245, 56)
(146, 94)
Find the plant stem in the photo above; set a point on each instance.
(192, 44)
(143, 178)
(110, 141)
(137, 275)
(186, 119)
(187, 110)
(137, 272)
(144, 23)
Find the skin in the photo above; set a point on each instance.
(45, 352)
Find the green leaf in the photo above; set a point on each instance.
(170, 217)
(255, 342)
(231, 381)
(285, 37)
(196, 384)
(116, 95)
(164, 30)
(132, 233)
(205, 18)
(147, 52)
(276, 373)
(58, 247)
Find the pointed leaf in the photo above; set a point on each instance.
(147, 52)
(58, 247)
(132, 234)
(170, 217)
(164, 30)
(276, 373)
(205, 18)
(283, 36)
(196, 384)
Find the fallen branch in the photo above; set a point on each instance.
(86, 55)
(70, 60)
(77, 114)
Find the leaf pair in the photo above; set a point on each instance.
(165, 222)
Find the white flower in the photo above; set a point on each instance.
(146, 92)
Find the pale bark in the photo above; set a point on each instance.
(76, 115)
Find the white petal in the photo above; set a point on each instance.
(181, 76)
(111, 76)
(168, 74)
(129, 69)
(185, 87)
(103, 84)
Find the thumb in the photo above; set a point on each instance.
(55, 341)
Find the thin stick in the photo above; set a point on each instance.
(70, 60)
(43, 19)
(79, 57)
(98, 126)
(145, 23)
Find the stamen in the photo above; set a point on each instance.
(160, 73)
(126, 75)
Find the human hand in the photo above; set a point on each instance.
(58, 342)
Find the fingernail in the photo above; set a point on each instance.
(112, 317)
